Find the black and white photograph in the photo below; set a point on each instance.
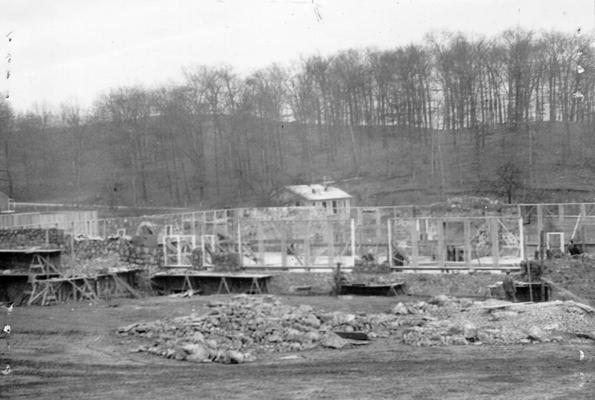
(297, 199)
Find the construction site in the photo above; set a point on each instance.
(290, 289)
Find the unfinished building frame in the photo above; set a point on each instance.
(469, 242)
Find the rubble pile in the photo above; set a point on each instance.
(447, 321)
(239, 330)
(245, 327)
(575, 275)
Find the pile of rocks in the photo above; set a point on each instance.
(462, 321)
(239, 330)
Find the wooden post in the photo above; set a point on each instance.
(495, 242)
(352, 225)
(521, 239)
(583, 211)
(414, 249)
(72, 243)
(390, 242)
(378, 226)
(539, 224)
(530, 284)
(194, 223)
(331, 244)
(441, 249)
(283, 245)
(240, 248)
(259, 234)
(307, 257)
(467, 238)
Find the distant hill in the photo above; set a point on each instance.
(390, 165)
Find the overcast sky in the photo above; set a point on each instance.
(73, 50)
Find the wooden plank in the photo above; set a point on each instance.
(495, 241)
(129, 288)
(283, 246)
(307, 251)
(467, 235)
(331, 244)
(259, 234)
(223, 285)
(539, 224)
(390, 242)
(441, 248)
(414, 247)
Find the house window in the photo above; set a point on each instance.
(335, 209)
(324, 204)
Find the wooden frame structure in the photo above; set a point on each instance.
(177, 250)
(460, 242)
(49, 285)
(297, 244)
(226, 283)
(368, 231)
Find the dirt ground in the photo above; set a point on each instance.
(71, 351)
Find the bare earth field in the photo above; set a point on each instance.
(71, 351)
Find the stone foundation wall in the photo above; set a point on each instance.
(141, 255)
(31, 237)
(88, 249)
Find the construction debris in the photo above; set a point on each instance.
(241, 329)
(461, 321)
(245, 327)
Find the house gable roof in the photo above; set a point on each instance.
(317, 192)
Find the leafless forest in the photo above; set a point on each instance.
(455, 113)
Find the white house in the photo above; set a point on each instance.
(330, 198)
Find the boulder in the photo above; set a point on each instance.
(235, 357)
(311, 320)
(536, 334)
(469, 330)
(439, 300)
(333, 341)
(400, 309)
(197, 352)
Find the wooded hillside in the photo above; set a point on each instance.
(510, 115)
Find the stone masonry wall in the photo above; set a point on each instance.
(31, 237)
